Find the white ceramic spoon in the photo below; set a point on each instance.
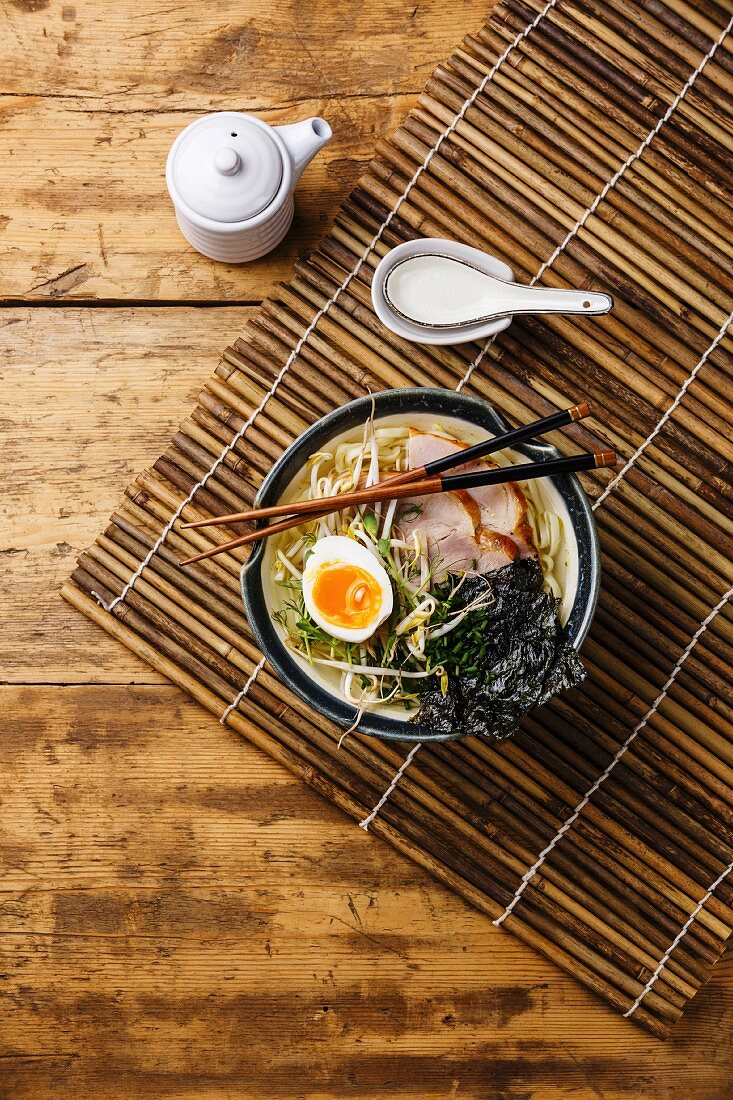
(445, 292)
(438, 291)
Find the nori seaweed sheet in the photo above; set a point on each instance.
(527, 661)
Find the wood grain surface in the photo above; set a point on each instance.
(178, 916)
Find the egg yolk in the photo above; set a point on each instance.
(346, 595)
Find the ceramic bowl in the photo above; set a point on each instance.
(441, 405)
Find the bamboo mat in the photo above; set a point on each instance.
(587, 144)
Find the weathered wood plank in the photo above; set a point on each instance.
(95, 98)
(88, 398)
(234, 54)
(171, 922)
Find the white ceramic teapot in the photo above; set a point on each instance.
(231, 178)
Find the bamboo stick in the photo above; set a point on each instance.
(476, 196)
(632, 631)
(420, 792)
(665, 532)
(623, 100)
(575, 281)
(620, 699)
(221, 576)
(471, 139)
(693, 26)
(679, 815)
(637, 853)
(250, 362)
(476, 135)
(659, 762)
(679, 759)
(501, 113)
(604, 46)
(200, 583)
(630, 330)
(453, 764)
(381, 826)
(607, 237)
(548, 67)
(153, 493)
(670, 847)
(612, 883)
(650, 34)
(623, 586)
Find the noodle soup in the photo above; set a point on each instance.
(384, 673)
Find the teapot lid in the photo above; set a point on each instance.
(225, 167)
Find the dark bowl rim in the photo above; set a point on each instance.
(449, 403)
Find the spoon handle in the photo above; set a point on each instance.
(514, 298)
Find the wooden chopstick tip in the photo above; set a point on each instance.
(606, 458)
(579, 412)
(202, 556)
(198, 523)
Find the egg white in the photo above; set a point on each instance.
(342, 550)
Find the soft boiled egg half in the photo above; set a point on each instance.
(346, 589)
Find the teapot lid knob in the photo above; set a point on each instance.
(227, 161)
(226, 167)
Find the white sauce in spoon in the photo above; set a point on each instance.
(437, 290)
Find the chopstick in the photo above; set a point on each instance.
(385, 490)
(432, 469)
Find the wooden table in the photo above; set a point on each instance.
(179, 916)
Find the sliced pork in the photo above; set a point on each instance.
(476, 531)
(447, 529)
(504, 512)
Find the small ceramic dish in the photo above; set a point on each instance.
(477, 420)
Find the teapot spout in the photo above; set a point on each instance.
(303, 140)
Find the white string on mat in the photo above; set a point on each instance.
(529, 875)
(685, 386)
(238, 698)
(562, 246)
(324, 309)
(331, 301)
(397, 776)
(602, 194)
(680, 935)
